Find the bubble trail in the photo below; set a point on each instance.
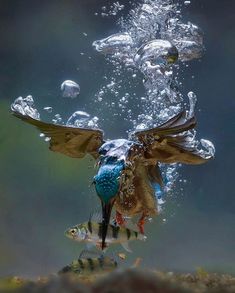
(153, 43)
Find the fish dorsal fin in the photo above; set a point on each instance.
(89, 254)
(125, 245)
(95, 216)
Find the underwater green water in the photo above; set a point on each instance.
(43, 193)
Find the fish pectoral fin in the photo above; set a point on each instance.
(125, 245)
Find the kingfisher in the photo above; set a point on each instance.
(127, 168)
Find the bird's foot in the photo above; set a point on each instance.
(141, 224)
(119, 219)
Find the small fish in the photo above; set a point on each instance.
(91, 233)
(90, 262)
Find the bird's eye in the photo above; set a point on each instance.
(112, 158)
(103, 152)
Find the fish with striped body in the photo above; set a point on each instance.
(91, 233)
(90, 262)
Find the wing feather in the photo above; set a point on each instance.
(171, 142)
(71, 141)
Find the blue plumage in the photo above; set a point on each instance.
(107, 181)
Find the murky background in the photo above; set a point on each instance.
(43, 193)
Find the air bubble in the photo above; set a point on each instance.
(117, 46)
(187, 3)
(209, 149)
(156, 53)
(78, 119)
(25, 106)
(192, 103)
(48, 109)
(70, 89)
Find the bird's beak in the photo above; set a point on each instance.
(106, 213)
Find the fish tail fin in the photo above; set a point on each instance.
(125, 245)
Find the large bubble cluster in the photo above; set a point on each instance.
(152, 38)
(25, 106)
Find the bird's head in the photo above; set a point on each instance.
(115, 150)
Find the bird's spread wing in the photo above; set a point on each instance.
(171, 142)
(71, 141)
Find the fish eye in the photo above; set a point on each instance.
(73, 231)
